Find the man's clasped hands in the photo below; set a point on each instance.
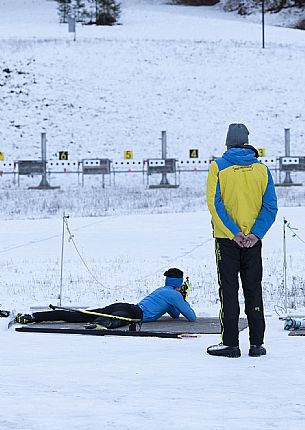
(245, 241)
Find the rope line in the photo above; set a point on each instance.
(71, 238)
(169, 263)
(31, 242)
(294, 234)
(280, 310)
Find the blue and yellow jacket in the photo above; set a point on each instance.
(240, 194)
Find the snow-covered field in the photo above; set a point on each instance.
(127, 255)
(189, 71)
(54, 381)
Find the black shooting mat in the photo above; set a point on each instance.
(203, 325)
(300, 332)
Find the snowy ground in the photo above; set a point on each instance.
(51, 381)
(189, 71)
(127, 255)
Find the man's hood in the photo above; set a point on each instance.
(242, 155)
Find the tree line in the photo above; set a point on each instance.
(245, 7)
(98, 12)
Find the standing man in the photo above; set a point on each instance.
(242, 201)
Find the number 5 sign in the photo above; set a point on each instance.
(128, 155)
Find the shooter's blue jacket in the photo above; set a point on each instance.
(240, 194)
(166, 300)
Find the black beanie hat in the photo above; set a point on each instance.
(174, 273)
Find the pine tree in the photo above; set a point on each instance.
(99, 12)
(197, 2)
(64, 10)
(107, 12)
(79, 9)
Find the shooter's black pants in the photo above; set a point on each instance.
(232, 260)
(126, 310)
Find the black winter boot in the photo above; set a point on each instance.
(257, 350)
(221, 350)
(4, 314)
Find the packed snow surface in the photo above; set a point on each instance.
(49, 381)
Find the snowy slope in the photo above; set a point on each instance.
(165, 68)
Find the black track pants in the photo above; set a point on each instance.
(233, 260)
(126, 310)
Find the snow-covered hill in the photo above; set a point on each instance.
(187, 71)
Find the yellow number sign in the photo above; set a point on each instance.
(128, 155)
(261, 152)
(63, 155)
(194, 153)
(1, 156)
